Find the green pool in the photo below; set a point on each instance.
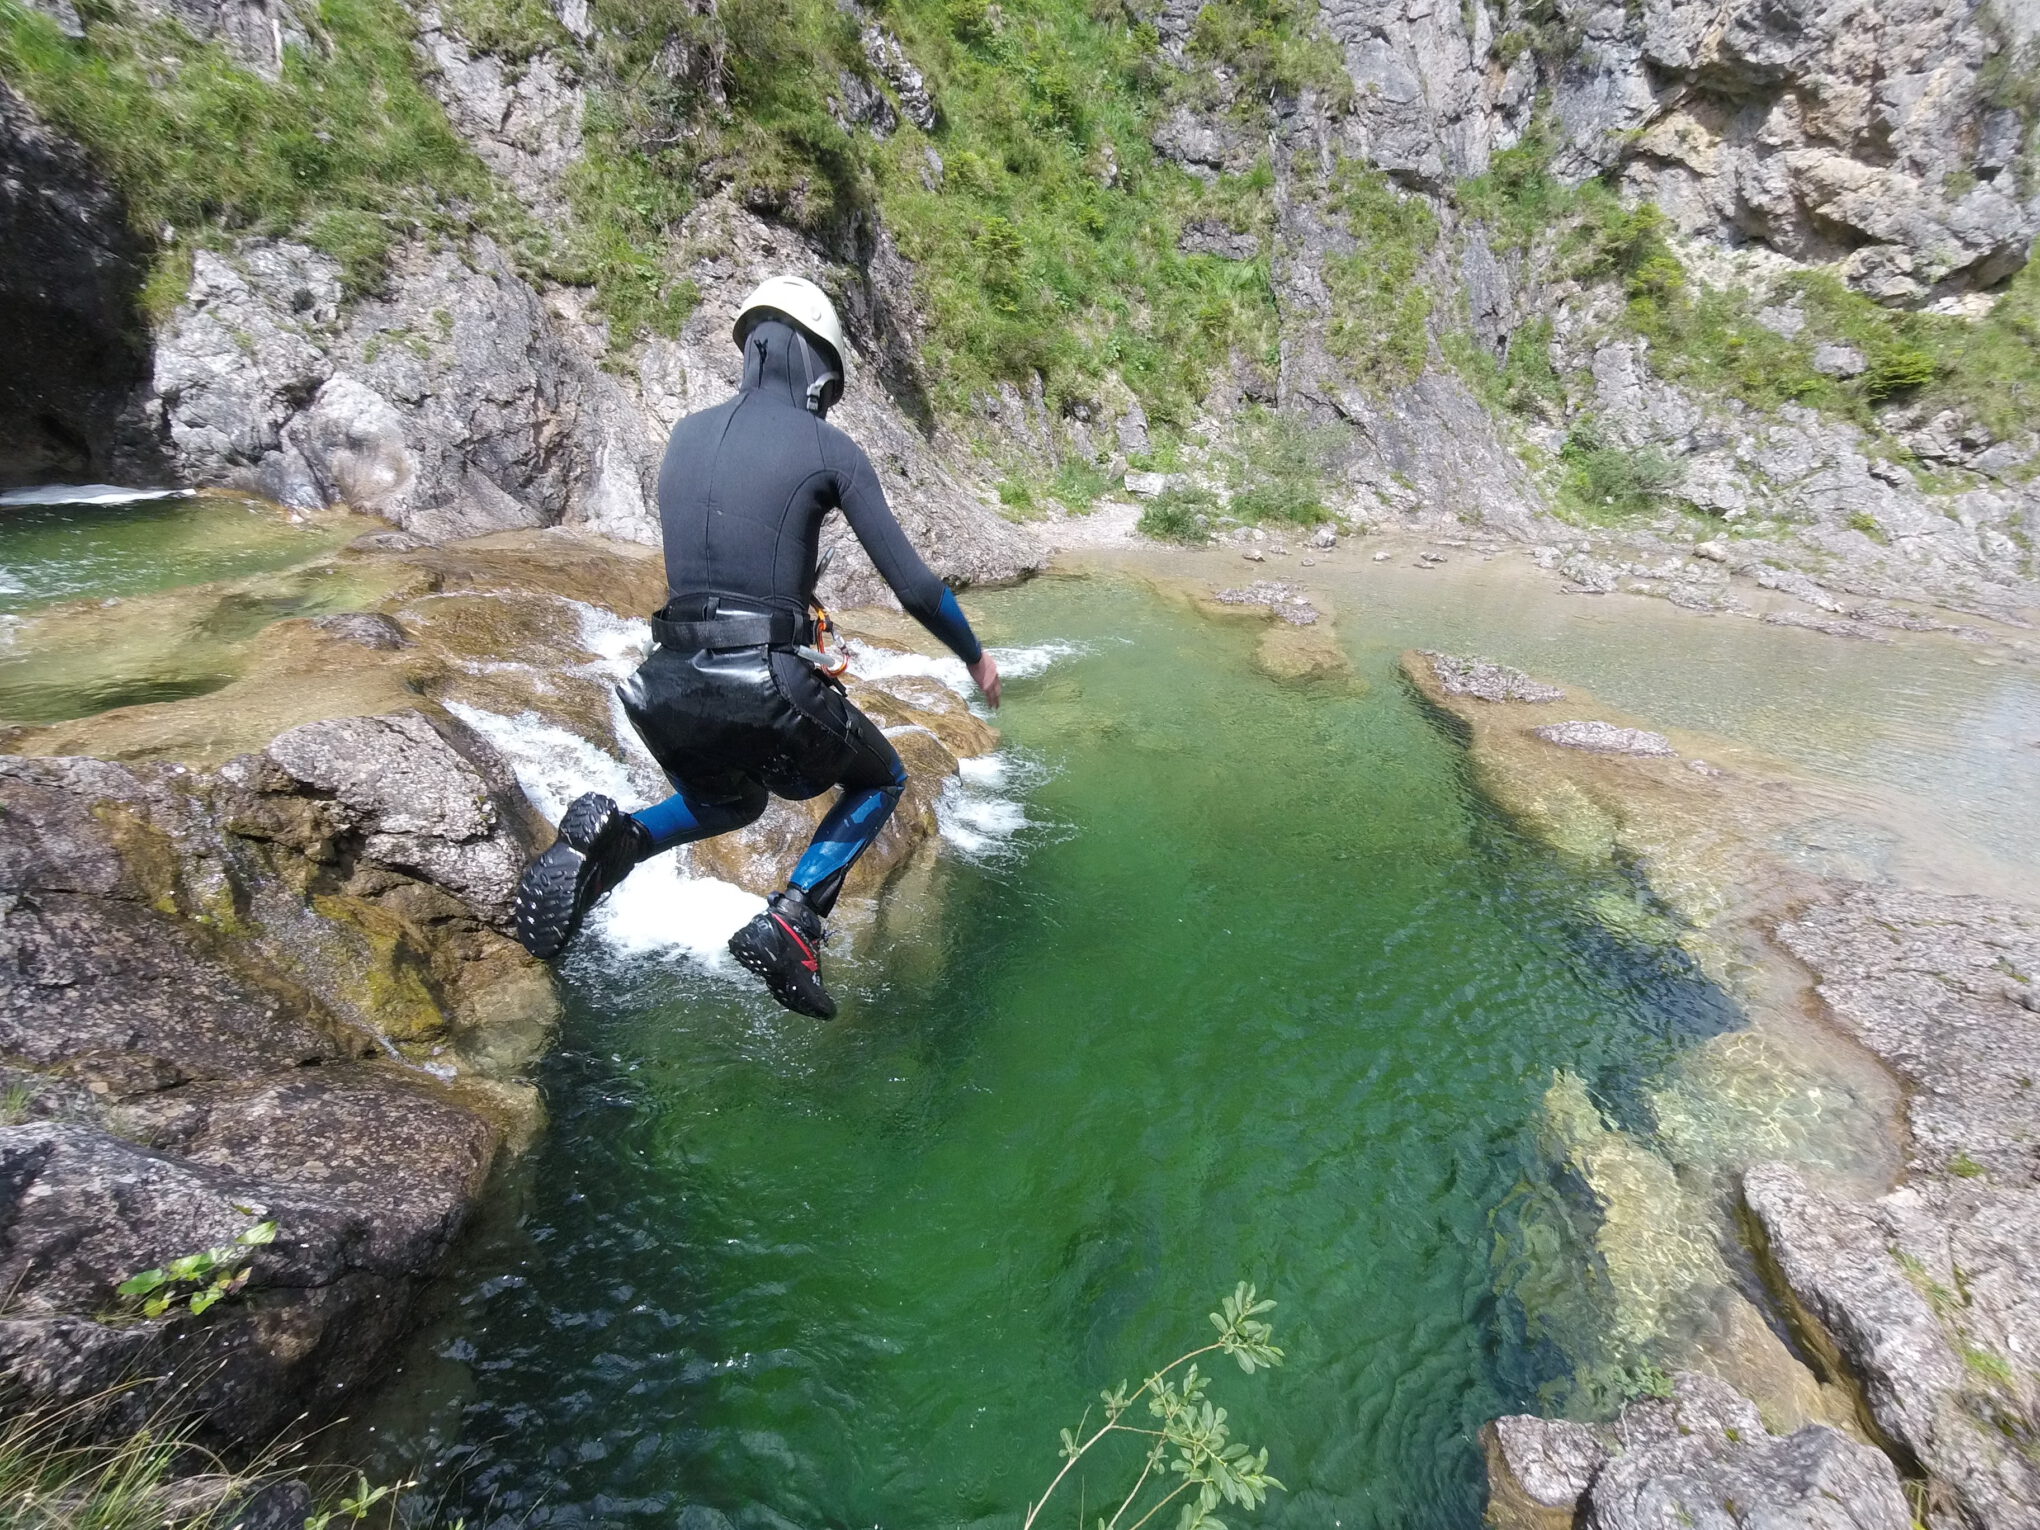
(1259, 990)
(119, 544)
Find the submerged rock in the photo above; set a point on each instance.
(1485, 680)
(1605, 738)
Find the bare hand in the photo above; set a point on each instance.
(986, 673)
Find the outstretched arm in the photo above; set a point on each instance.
(926, 598)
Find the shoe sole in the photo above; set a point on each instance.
(755, 958)
(548, 912)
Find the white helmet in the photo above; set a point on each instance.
(803, 302)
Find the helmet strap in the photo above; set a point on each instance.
(821, 375)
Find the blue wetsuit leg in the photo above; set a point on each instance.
(846, 833)
(694, 812)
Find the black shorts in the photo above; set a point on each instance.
(727, 721)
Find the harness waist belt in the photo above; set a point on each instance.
(779, 628)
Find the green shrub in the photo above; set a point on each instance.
(1185, 1442)
(1078, 485)
(1179, 514)
(1277, 472)
(1898, 368)
(1604, 481)
(1016, 500)
(1274, 48)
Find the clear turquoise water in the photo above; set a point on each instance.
(65, 551)
(1265, 994)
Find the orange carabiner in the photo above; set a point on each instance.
(832, 664)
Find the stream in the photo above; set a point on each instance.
(1209, 979)
(1213, 980)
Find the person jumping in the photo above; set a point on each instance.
(726, 703)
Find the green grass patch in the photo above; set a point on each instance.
(1523, 380)
(1179, 514)
(346, 150)
(1990, 1365)
(1603, 482)
(1278, 469)
(1380, 310)
(1274, 50)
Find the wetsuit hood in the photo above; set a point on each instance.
(782, 363)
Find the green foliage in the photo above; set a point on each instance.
(513, 30)
(64, 1469)
(1191, 1439)
(1518, 198)
(1990, 1365)
(347, 148)
(1078, 485)
(1709, 339)
(1962, 1166)
(1273, 47)
(198, 1281)
(1278, 471)
(1179, 515)
(1379, 308)
(1606, 482)
(1523, 380)
(14, 1102)
(1016, 500)
(1051, 244)
(358, 1503)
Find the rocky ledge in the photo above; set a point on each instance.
(1854, 1167)
(259, 1005)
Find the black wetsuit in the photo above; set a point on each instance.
(743, 492)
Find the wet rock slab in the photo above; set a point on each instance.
(1605, 738)
(206, 982)
(1285, 600)
(1485, 680)
(1702, 1457)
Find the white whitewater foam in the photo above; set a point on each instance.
(88, 494)
(663, 909)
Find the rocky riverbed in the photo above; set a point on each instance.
(1890, 1282)
(257, 968)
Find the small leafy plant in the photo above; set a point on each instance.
(354, 1507)
(1191, 1439)
(197, 1281)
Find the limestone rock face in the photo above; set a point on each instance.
(1828, 130)
(209, 981)
(1701, 1457)
(451, 405)
(1926, 1296)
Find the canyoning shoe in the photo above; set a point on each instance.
(783, 945)
(597, 846)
